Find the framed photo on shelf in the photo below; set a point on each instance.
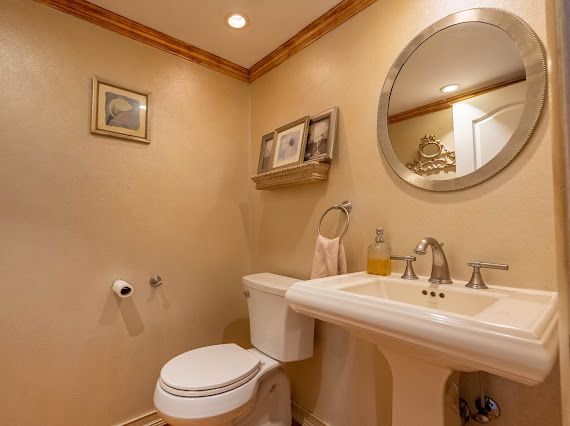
(290, 141)
(322, 136)
(119, 112)
(265, 153)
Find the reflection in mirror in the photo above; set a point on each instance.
(431, 149)
(459, 97)
(432, 158)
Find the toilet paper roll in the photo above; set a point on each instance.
(122, 288)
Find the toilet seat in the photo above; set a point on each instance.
(220, 407)
(210, 370)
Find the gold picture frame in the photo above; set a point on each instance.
(119, 112)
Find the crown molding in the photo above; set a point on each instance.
(102, 17)
(339, 14)
(132, 29)
(448, 102)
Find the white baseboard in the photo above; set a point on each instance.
(300, 414)
(304, 417)
(149, 419)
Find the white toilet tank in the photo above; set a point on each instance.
(275, 329)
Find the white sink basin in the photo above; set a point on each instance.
(458, 302)
(423, 327)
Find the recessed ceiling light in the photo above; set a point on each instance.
(237, 20)
(449, 88)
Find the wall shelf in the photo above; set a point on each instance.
(309, 172)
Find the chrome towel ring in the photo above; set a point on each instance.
(346, 207)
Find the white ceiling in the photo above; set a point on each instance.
(201, 22)
(471, 54)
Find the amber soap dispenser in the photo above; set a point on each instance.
(379, 256)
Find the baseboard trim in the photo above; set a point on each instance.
(149, 419)
(304, 417)
(300, 414)
(158, 422)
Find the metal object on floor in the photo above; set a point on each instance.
(487, 408)
(464, 411)
(488, 413)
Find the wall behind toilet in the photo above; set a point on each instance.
(509, 218)
(80, 210)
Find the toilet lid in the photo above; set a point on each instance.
(211, 370)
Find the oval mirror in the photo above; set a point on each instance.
(462, 99)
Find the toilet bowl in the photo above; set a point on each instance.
(228, 385)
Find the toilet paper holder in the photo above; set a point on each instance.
(155, 281)
(122, 288)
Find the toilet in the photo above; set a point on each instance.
(228, 385)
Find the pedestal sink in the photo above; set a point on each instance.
(430, 332)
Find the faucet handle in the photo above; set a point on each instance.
(409, 273)
(479, 264)
(476, 280)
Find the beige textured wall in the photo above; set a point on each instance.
(80, 210)
(507, 219)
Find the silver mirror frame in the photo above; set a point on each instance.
(533, 58)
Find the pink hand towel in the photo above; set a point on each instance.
(329, 258)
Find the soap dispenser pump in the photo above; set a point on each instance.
(379, 256)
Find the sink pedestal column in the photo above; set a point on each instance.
(422, 393)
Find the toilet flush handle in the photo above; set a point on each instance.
(245, 293)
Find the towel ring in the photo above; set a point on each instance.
(346, 207)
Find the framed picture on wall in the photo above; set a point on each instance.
(321, 136)
(289, 141)
(265, 153)
(120, 112)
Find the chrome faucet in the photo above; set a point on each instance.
(439, 268)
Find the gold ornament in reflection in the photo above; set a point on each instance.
(431, 155)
